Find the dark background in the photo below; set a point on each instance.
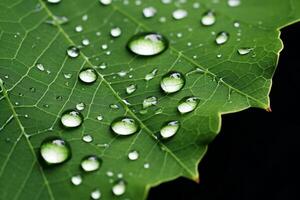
(256, 155)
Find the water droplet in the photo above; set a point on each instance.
(244, 51)
(147, 44)
(58, 20)
(115, 32)
(55, 150)
(222, 38)
(32, 89)
(91, 163)
(85, 42)
(59, 98)
(71, 119)
(78, 28)
(150, 101)
(149, 12)
(151, 75)
(219, 55)
(105, 2)
(179, 14)
(73, 52)
(76, 180)
(133, 155)
(87, 138)
(131, 89)
(166, 1)
(169, 129)
(208, 18)
(188, 104)
(96, 194)
(85, 17)
(80, 106)
(40, 67)
(109, 173)
(119, 188)
(54, 1)
(233, 3)
(104, 46)
(196, 5)
(236, 24)
(124, 126)
(114, 106)
(88, 75)
(68, 76)
(172, 82)
(147, 165)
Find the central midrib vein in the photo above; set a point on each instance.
(118, 97)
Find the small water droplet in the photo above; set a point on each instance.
(80, 106)
(78, 28)
(59, 98)
(236, 24)
(172, 82)
(219, 55)
(104, 46)
(54, 1)
(87, 138)
(147, 44)
(131, 89)
(114, 106)
(68, 75)
(119, 188)
(151, 75)
(150, 101)
(166, 1)
(96, 194)
(73, 52)
(169, 129)
(40, 67)
(71, 119)
(58, 20)
(222, 38)
(147, 165)
(76, 180)
(233, 3)
(188, 104)
(179, 14)
(32, 89)
(149, 12)
(91, 163)
(133, 155)
(88, 75)
(99, 117)
(208, 18)
(105, 2)
(109, 173)
(196, 5)
(115, 32)
(124, 126)
(244, 51)
(55, 150)
(85, 17)
(85, 42)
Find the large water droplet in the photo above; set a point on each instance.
(71, 119)
(88, 75)
(124, 126)
(116, 32)
(131, 89)
(170, 129)
(233, 3)
(188, 104)
(133, 155)
(222, 38)
(172, 82)
(147, 44)
(96, 194)
(91, 163)
(150, 101)
(149, 12)
(73, 52)
(119, 188)
(105, 2)
(179, 14)
(244, 51)
(55, 150)
(208, 18)
(76, 180)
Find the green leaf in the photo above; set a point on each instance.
(32, 100)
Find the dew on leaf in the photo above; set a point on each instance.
(116, 32)
(54, 1)
(147, 44)
(131, 89)
(236, 24)
(71, 119)
(179, 14)
(172, 82)
(40, 67)
(58, 20)
(78, 28)
(99, 117)
(222, 37)
(80, 106)
(67, 75)
(55, 150)
(105, 2)
(147, 165)
(85, 17)
(96, 194)
(169, 129)
(88, 75)
(73, 52)
(114, 106)
(91, 163)
(133, 155)
(208, 18)
(244, 51)
(119, 188)
(104, 46)
(76, 180)
(149, 101)
(85, 42)
(151, 75)
(188, 104)
(124, 126)
(149, 12)
(233, 3)
(87, 138)
(32, 89)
